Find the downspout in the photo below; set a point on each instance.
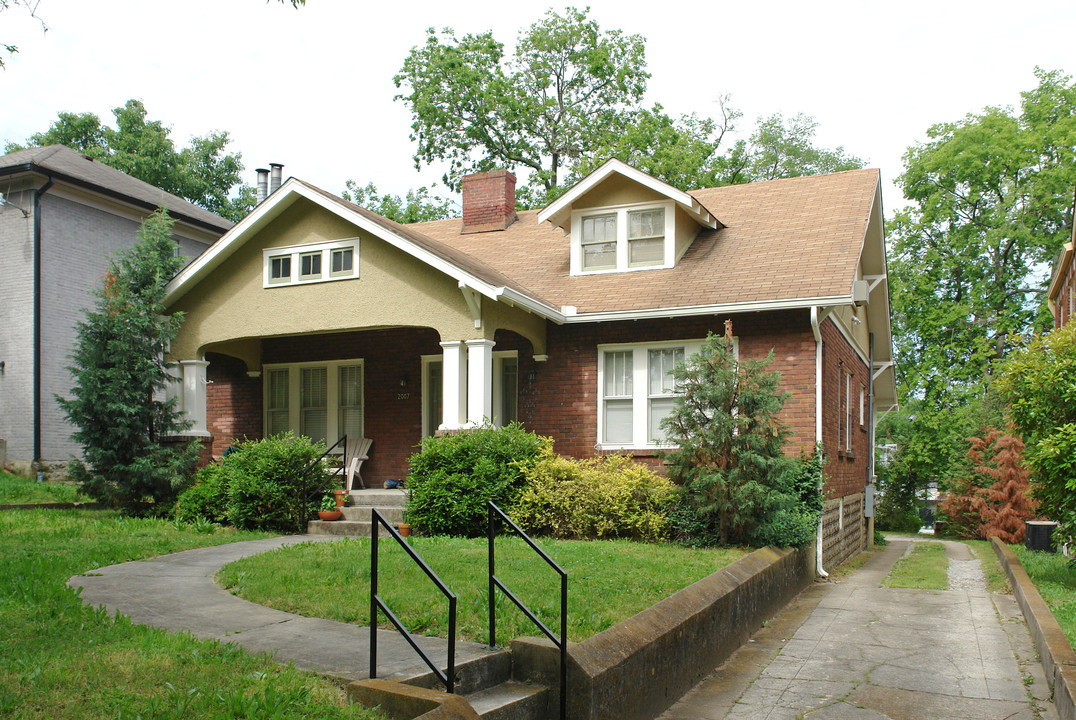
(816, 321)
(37, 319)
(870, 412)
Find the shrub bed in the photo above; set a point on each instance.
(596, 499)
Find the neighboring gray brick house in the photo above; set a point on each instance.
(62, 216)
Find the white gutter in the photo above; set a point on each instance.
(816, 320)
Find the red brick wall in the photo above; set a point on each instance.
(846, 472)
(565, 393)
(1063, 308)
(233, 402)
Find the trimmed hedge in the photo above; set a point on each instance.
(595, 499)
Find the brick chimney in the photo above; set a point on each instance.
(489, 201)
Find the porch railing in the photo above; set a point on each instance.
(448, 677)
(309, 491)
(494, 582)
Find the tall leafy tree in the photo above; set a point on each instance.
(991, 203)
(203, 172)
(567, 101)
(566, 84)
(119, 374)
(416, 206)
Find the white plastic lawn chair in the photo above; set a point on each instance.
(356, 452)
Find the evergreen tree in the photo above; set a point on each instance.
(730, 455)
(119, 371)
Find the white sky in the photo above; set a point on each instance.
(312, 88)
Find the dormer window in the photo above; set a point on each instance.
(623, 238)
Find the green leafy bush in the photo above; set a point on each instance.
(206, 500)
(596, 499)
(789, 527)
(260, 486)
(452, 477)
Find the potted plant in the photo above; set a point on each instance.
(329, 509)
(341, 497)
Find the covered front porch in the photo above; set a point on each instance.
(392, 385)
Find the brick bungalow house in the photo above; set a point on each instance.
(316, 315)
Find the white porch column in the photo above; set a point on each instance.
(194, 388)
(479, 381)
(453, 385)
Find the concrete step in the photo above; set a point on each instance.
(363, 513)
(379, 498)
(510, 701)
(341, 528)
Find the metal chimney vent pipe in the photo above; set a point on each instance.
(263, 184)
(274, 177)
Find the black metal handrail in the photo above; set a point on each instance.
(319, 460)
(494, 582)
(448, 677)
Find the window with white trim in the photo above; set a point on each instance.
(862, 405)
(321, 400)
(628, 237)
(316, 262)
(636, 390)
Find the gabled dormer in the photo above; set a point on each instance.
(621, 219)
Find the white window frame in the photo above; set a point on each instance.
(295, 252)
(332, 393)
(640, 387)
(426, 360)
(621, 212)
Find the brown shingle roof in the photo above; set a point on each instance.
(64, 163)
(783, 240)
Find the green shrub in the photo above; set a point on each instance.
(452, 477)
(788, 527)
(897, 519)
(596, 499)
(259, 487)
(206, 499)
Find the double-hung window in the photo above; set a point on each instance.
(313, 263)
(637, 390)
(623, 238)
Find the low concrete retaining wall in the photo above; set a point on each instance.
(404, 702)
(640, 667)
(1058, 658)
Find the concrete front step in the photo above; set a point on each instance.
(510, 701)
(363, 514)
(379, 498)
(357, 515)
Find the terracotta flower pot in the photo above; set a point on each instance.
(341, 497)
(330, 514)
(404, 529)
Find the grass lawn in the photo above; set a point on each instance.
(926, 568)
(16, 490)
(1056, 580)
(608, 581)
(60, 659)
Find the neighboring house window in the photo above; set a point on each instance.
(636, 390)
(317, 262)
(623, 238)
(324, 402)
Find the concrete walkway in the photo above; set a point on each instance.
(177, 592)
(856, 651)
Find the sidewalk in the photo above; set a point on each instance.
(853, 650)
(177, 592)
